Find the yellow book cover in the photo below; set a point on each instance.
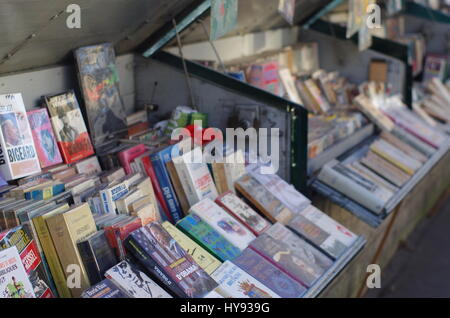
(48, 247)
(392, 160)
(206, 261)
(67, 230)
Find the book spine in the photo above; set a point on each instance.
(52, 257)
(178, 187)
(88, 258)
(146, 161)
(348, 188)
(166, 187)
(187, 183)
(413, 141)
(107, 203)
(153, 269)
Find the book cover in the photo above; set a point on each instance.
(322, 231)
(206, 261)
(224, 17)
(99, 81)
(97, 256)
(134, 282)
(231, 203)
(128, 155)
(159, 161)
(158, 245)
(208, 238)
(236, 283)
(14, 281)
(69, 127)
(18, 156)
(178, 187)
(117, 232)
(89, 166)
(22, 238)
(67, 230)
(263, 199)
(110, 195)
(195, 177)
(44, 139)
(299, 263)
(223, 223)
(104, 289)
(385, 169)
(268, 274)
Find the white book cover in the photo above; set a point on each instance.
(134, 282)
(234, 168)
(18, 156)
(236, 283)
(14, 281)
(286, 193)
(89, 166)
(396, 154)
(111, 195)
(123, 203)
(195, 177)
(227, 226)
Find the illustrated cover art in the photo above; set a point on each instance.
(323, 231)
(243, 212)
(174, 260)
(268, 274)
(44, 139)
(99, 81)
(104, 289)
(69, 127)
(265, 76)
(134, 282)
(14, 281)
(224, 17)
(21, 237)
(223, 223)
(236, 283)
(209, 238)
(18, 156)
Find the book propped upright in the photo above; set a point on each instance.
(44, 138)
(69, 127)
(18, 156)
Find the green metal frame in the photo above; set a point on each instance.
(424, 12)
(383, 46)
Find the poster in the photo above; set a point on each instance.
(224, 15)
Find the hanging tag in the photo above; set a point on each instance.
(287, 10)
(224, 14)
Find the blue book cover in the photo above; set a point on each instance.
(159, 161)
(46, 193)
(208, 238)
(269, 275)
(104, 289)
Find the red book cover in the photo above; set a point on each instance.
(69, 127)
(117, 233)
(30, 256)
(127, 156)
(146, 161)
(138, 128)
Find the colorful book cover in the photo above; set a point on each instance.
(134, 282)
(292, 254)
(104, 289)
(159, 161)
(22, 238)
(208, 238)
(69, 127)
(324, 232)
(243, 212)
(128, 155)
(89, 166)
(236, 283)
(44, 139)
(18, 156)
(158, 245)
(99, 80)
(265, 76)
(14, 281)
(268, 274)
(224, 17)
(206, 261)
(223, 223)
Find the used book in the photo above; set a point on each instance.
(18, 157)
(44, 138)
(104, 289)
(69, 127)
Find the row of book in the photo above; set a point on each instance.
(373, 174)
(95, 233)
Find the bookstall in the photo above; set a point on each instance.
(38, 63)
(417, 195)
